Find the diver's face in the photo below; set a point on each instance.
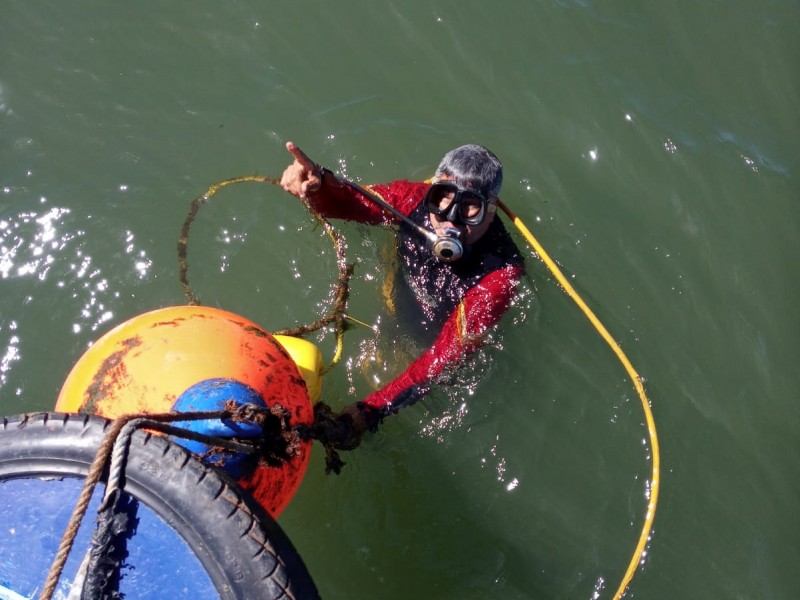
(464, 210)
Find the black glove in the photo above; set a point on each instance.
(340, 431)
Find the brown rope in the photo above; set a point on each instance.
(183, 240)
(92, 477)
(337, 313)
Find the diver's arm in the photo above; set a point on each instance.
(462, 334)
(335, 199)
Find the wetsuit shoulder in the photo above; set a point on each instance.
(404, 195)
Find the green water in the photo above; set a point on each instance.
(652, 148)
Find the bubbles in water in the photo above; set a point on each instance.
(750, 163)
(295, 269)
(368, 364)
(343, 167)
(500, 468)
(598, 588)
(11, 353)
(227, 238)
(5, 109)
(436, 426)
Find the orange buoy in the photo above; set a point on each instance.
(186, 358)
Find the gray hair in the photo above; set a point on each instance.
(475, 167)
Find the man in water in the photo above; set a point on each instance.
(463, 285)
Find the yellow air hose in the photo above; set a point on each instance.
(635, 379)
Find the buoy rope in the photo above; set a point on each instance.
(637, 384)
(76, 518)
(336, 316)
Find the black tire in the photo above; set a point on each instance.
(243, 550)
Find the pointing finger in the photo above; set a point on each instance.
(300, 156)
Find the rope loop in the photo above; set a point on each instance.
(336, 315)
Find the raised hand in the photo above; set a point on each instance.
(303, 176)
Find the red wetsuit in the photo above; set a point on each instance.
(464, 298)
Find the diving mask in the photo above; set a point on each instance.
(453, 203)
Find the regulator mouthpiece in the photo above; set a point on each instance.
(448, 247)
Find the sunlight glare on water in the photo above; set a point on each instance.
(44, 245)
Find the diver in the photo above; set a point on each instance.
(457, 258)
